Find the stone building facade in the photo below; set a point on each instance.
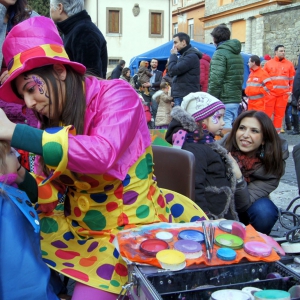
(281, 26)
(260, 25)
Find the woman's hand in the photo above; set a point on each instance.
(235, 167)
(6, 127)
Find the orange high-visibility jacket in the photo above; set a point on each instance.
(282, 74)
(259, 84)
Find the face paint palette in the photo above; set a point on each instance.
(229, 241)
(152, 246)
(258, 249)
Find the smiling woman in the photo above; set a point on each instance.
(258, 154)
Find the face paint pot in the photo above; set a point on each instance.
(272, 294)
(152, 246)
(190, 249)
(230, 295)
(258, 249)
(191, 235)
(172, 260)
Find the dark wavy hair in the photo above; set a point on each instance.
(272, 160)
(22, 11)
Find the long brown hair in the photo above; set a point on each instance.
(272, 160)
(22, 11)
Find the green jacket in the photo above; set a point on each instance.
(226, 73)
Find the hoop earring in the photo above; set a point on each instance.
(262, 152)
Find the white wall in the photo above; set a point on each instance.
(135, 30)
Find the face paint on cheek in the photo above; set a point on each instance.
(215, 117)
(39, 83)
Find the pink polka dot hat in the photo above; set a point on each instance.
(30, 44)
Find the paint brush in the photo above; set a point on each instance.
(212, 239)
(206, 241)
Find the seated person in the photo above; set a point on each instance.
(193, 128)
(93, 139)
(258, 155)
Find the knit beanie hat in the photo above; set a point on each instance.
(267, 57)
(201, 105)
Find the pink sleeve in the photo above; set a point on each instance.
(115, 130)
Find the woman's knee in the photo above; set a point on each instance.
(263, 214)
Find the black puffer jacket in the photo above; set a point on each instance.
(185, 71)
(215, 182)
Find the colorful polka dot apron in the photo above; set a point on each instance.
(78, 237)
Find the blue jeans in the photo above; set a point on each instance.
(262, 215)
(231, 113)
(177, 101)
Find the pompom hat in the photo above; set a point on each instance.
(32, 43)
(201, 105)
(267, 57)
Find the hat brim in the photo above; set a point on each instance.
(6, 92)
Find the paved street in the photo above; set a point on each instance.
(288, 188)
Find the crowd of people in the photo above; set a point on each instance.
(92, 174)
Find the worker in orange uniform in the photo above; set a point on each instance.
(259, 85)
(281, 72)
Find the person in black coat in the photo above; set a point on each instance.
(117, 71)
(83, 41)
(185, 70)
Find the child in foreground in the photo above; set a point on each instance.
(21, 262)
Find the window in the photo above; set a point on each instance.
(156, 23)
(113, 61)
(175, 28)
(175, 2)
(191, 28)
(113, 21)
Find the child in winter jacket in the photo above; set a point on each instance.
(164, 101)
(144, 75)
(193, 128)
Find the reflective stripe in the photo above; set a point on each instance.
(266, 80)
(256, 97)
(292, 78)
(266, 89)
(254, 84)
(281, 87)
(280, 77)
